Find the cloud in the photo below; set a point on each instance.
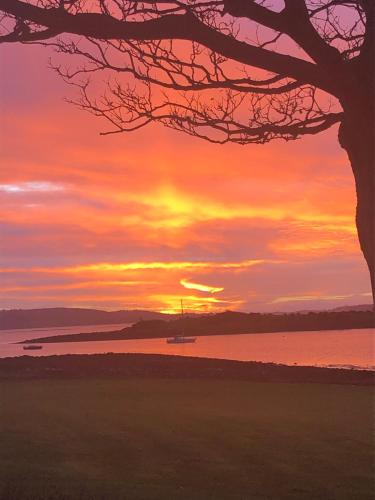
(77, 286)
(198, 286)
(31, 187)
(107, 267)
(310, 298)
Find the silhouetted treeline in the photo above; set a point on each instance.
(235, 322)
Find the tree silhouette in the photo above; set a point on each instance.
(242, 71)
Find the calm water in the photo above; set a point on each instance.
(344, 348)
(9, 337)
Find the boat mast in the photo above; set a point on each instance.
(182, 318)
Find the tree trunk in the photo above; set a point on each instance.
(356, 136)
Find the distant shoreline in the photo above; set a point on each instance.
(107, 336)
(113, 365)
(228, 323)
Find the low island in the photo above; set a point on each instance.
(226, 323)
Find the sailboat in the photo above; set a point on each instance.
(181, 339)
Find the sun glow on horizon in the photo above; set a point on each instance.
(194, 303)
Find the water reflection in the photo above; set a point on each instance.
(337, 348)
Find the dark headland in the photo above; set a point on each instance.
(226, 323)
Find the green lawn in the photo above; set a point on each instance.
(184, 439)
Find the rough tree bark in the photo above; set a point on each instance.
(356, 136)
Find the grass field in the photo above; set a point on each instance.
(184, 440)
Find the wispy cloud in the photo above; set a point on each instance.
(106, 267)
(198, 286)
(84, 285)
(31, 187)
(310, 298)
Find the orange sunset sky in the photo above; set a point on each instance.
(144, 219)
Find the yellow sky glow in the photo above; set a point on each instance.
(175, 209)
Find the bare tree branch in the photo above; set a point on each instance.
(178, 27)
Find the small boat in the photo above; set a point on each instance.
(181, 339)
(32, 347)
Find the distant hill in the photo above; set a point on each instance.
(65, 316)
(359, 307)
